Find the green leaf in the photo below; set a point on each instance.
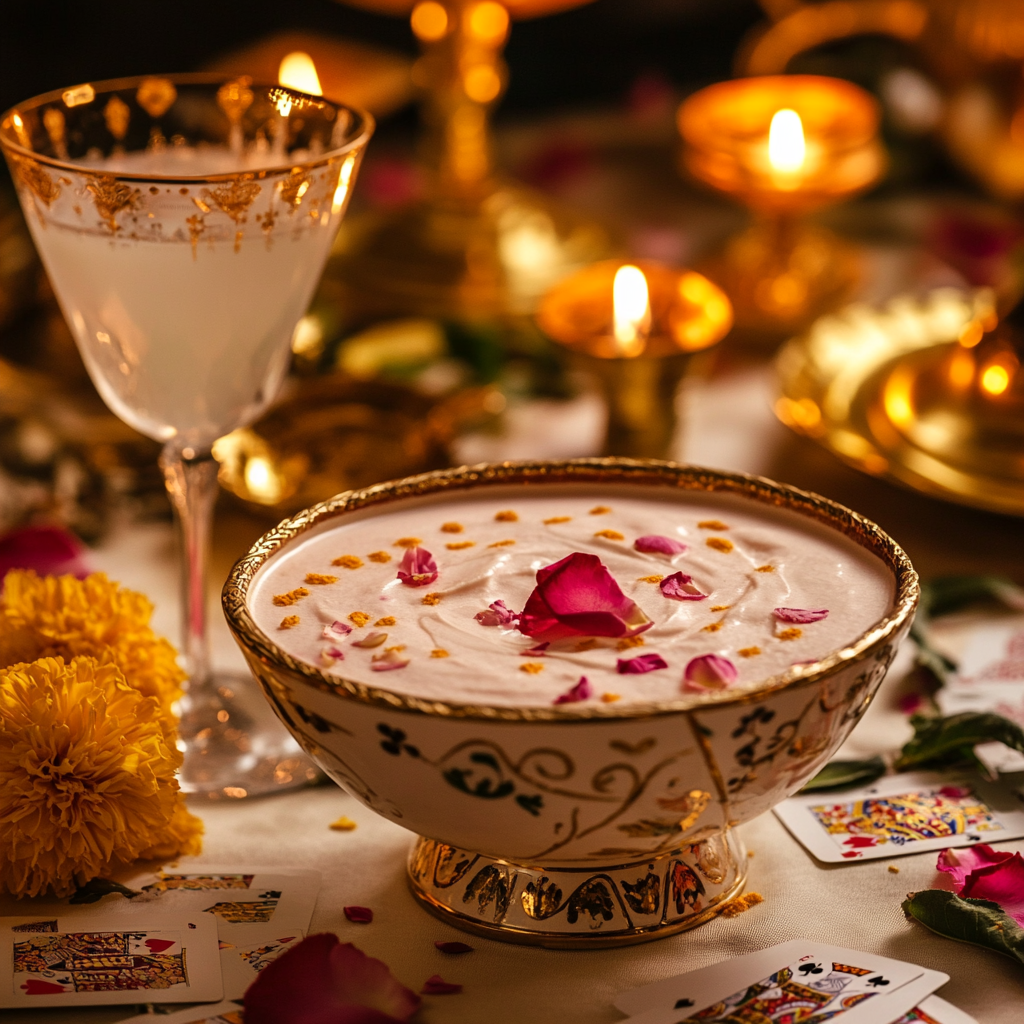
(980, 922)
(940, 742)
(840, 774)
(951, 593)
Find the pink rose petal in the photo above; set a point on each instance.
(435, 985)
(388, 661)
(802, 615)
(653, 544)
(679, 587)
(537, 651)
(580, 692)
(417, 567)
(336, 631)
(358, 915)
(577, 596)
(640, 664)
(959, 864)
(453, 947)
(329, 655)
(496, 614)
(322, 979)
(910, 703)
(1002, 883)
(709, 672)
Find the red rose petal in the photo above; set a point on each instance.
(48, 550)
(581, 691)
(653, 544)
(322, 979)
(435, 985)
(640, 664)
(709, 672)
(359, 915)
(417, 567)
(577, 596)
(959, 864)
(802, 615)
(453, 947)
(680, 587)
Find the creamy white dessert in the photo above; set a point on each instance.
(717, 592)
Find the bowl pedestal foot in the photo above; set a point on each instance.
(578, 906)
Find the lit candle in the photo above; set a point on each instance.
(631, 310)
(298, 71)
(635, 328)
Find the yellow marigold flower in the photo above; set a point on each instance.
(86, 777)
(60, 616)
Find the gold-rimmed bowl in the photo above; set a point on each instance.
(564, 840)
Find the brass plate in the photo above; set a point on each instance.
(836, 385)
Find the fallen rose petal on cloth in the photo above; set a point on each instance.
(640, 664)
(802, 615)
(708, 672)
(537, 650)
(417, 568)
(1002, 883)
(49, 550)
(653, 544)
(358, 915)
(958, 864)
(320, 980)
(496, 614)
(578, 596)
(680, 587)
(435, 985)
(581, 691)
(453, 947)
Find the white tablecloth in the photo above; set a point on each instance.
(854, 905)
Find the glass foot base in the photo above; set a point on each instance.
(577, 906)
(235, 747)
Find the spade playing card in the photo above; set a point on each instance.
(240, 965)
(68, 962)
(903, 814)
(804, 979)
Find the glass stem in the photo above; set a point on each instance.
(191, 478)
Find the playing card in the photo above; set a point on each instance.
(227, 1012)
(799, 977)
(63, 962)
(240, 966)
(273, 901)
(903, 814)
(934, 1010)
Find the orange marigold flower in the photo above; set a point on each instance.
(88, 777)
(61, 616)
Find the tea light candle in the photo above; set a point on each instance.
(784, 146)
(635, 328)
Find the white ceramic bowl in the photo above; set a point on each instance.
(575, 825)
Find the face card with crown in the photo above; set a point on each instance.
(903, 814)
(73, 962)
(798, 980)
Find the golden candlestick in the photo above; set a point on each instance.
(784, 146)
(635, 329)
(476, 245)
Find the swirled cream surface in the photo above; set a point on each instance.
(334, 598)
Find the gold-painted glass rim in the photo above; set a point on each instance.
(365, 125)
(613, 469)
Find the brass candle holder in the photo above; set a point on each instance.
(635, 329)
(784, 146)
(476, 246)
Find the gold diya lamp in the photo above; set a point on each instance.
(475, 246)
(784, 146)
(635, 329)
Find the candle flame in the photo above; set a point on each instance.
(786, 147)
(298, 71)
(631, 310)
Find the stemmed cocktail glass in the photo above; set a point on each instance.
(184, 222)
